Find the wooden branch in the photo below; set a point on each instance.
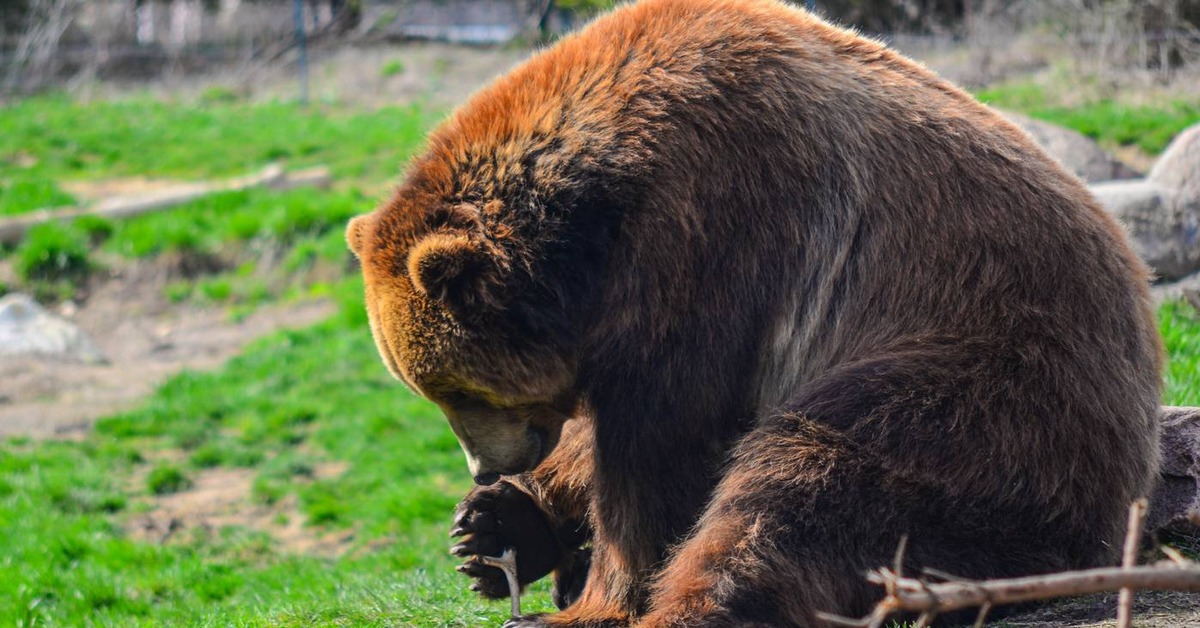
(917, 596)
(1133, 541)
(273, 176)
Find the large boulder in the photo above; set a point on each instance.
(1163, 223)
(1179, 167)
(26, 328)
(1074, 151)
(1162, 211)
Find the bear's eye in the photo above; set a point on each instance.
(463, 401)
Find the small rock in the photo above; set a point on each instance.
(26, 328)
(1076, 152)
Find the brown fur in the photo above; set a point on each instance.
(809, 298)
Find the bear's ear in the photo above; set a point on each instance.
(354, 234)
(453, 269)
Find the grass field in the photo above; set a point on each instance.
(1111, 123)
(293, 401)
(293, 404)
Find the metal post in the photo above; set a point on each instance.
(301, 45)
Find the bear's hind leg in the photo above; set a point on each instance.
(788, 534)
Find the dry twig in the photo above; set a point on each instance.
(1133, 540)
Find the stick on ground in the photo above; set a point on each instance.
(1133, 540)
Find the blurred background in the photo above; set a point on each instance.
(382, 51)
(194, 426)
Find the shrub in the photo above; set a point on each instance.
(96, 228)
(165, 479)
(395, 67)
(51, 252)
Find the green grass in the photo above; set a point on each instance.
(238, 219)
(20, 192)
(1150, 128)
(52, 251)
(166, 479)
(1180, 327)
(50, 139)
(292, 401)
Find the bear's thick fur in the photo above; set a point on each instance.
(801, 297)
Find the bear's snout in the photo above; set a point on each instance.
(497, 442)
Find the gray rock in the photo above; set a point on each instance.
(1074, 151)
(1163, 223)
(1162, 211)
(1179, 167)
(26, 328)
(1175, 505)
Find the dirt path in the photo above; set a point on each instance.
(221, 498)
(146, 339)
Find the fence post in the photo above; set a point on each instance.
(301, 45)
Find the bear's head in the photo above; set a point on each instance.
(458, 314)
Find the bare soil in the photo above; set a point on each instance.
(1151, 609)
(146, 339)
(221, 498)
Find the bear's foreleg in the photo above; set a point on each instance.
(541, 515)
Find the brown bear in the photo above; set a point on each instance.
(738, 299)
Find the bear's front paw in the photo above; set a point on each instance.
(493, 518)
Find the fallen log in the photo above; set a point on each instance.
(1175, 503)
(272, 177)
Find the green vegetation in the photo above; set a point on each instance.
(1180, 326)
(53, 260)
(52, 251)
(167, 479)
(46, 140)
(1150, 128)
(238, 219)
(295, 402)
(395, 67)
(50, 139)
(22, 192)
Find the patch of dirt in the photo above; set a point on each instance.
(221, 498)
(146, 339)
(1151, 609)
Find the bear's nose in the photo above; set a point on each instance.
(487, 479)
